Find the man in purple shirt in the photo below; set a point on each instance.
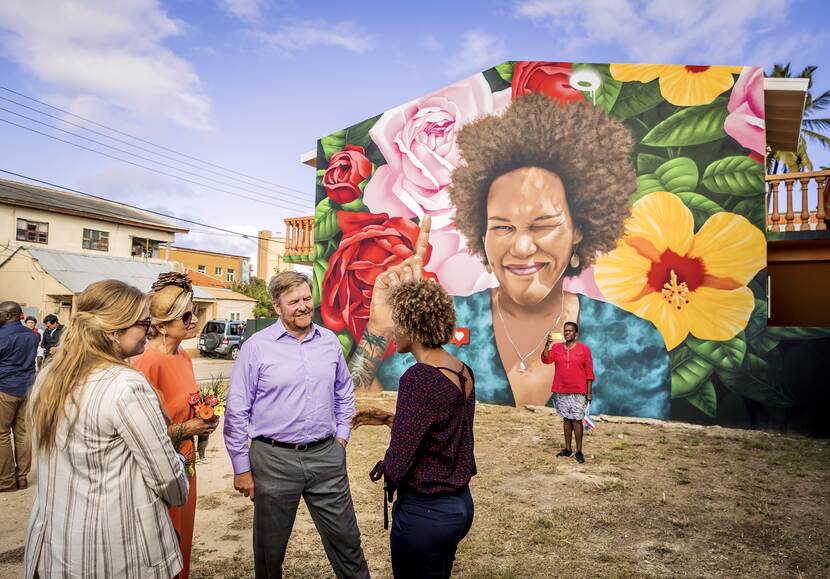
(291, 394)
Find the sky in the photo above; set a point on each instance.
(250, 85)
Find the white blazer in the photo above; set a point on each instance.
(104, 489)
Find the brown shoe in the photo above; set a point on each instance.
(22, 484)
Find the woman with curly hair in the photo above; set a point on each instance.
(430, 457)
(543, 189)
(170, 370)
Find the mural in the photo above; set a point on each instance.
(628, 198)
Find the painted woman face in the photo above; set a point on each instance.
(530, 234)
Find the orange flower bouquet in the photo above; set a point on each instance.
(209, 403)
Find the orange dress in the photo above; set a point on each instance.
(172, 375)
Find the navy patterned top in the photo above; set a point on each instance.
(633, 375)
(431, 450)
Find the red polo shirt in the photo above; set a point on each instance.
(574, 367)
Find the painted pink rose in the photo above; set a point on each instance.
(745, 122)
(418, 141)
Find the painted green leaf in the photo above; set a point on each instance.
(606, 95)
(648, 183)
(759, 380)
(728, 354)
(753, 210)
(702, 207)
(333, 143)
(688, 371)
(325, 220)
(505, 70)
(636, 98)
(320, 266)
(705, 399)
(787, 333)
(690, 126)
(320, 174)
(648, 163)
(737, 175)
(346, 342)
(356, 205)
(679, 174)
(359, 134)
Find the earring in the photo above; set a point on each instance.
(574, 260)
(164, 339)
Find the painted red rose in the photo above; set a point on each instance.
(347, 170)
(371, 244)
(549, 78)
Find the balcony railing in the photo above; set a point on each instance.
(299, 239)
(797, 201)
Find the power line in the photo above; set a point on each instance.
(151, 211)
(148, 158)
(149, 168)
(144, 140)
(139, 147)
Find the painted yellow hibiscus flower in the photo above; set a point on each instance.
(681, 85)
(681, 281)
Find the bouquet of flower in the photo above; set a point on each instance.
(177, 438)
(209, 401)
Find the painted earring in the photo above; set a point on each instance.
(164, 339)
(574, 260)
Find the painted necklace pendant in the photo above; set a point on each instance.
(522, 366)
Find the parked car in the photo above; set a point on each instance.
(221, 338)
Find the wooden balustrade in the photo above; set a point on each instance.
(808, 218)
(299, 239)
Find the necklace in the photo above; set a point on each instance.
(522, 365)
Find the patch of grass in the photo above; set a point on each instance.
(621, 445)
(611, 485)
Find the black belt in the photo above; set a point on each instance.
(291, 445)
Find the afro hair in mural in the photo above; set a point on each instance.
(589, 151)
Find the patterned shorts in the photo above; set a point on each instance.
(571, 406)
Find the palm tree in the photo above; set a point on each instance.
(813, 129)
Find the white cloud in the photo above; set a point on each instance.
(136, 186)
(307, 34)
(110, 51)
(246, 10)
(705, 31)
(479, 51)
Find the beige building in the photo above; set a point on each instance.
(54, 243)
(271, 255)
(224, 267)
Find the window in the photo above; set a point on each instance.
(230, 274)
(97, 240)
(34, 231)
(218, 271)
(145, 247)
(201, 269)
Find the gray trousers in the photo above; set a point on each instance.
(318, 475)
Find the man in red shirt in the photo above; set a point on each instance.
(571, 383)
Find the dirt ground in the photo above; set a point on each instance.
(651, 501)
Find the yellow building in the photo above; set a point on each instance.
(270, 255)
(223, 267)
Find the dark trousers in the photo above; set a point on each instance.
(426, 531)
(318, 475)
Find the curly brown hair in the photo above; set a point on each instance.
(589, 151)
(424, 311)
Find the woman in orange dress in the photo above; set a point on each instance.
(170, 370)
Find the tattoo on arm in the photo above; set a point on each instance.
(366, 358)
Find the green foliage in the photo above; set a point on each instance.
(258, 289)
(505, 70)
(690, 126)
(325, 220)
(735, 176)
(346, 342)
(674, 175)
(705, 399)
(635, 98)
(688, 371)
(355, 135)
(702, 207)
(606, 95)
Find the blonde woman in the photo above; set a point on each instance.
(170, 370)
(105, 467)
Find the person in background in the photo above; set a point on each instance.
(291, 394)
(169, 370)
(430, 458)
(572, 382)
(51, 335)
(106, 469)
(31, 323)
(18, 349)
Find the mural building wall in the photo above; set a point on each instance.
(627, 198)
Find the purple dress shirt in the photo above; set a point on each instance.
(287, 390)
